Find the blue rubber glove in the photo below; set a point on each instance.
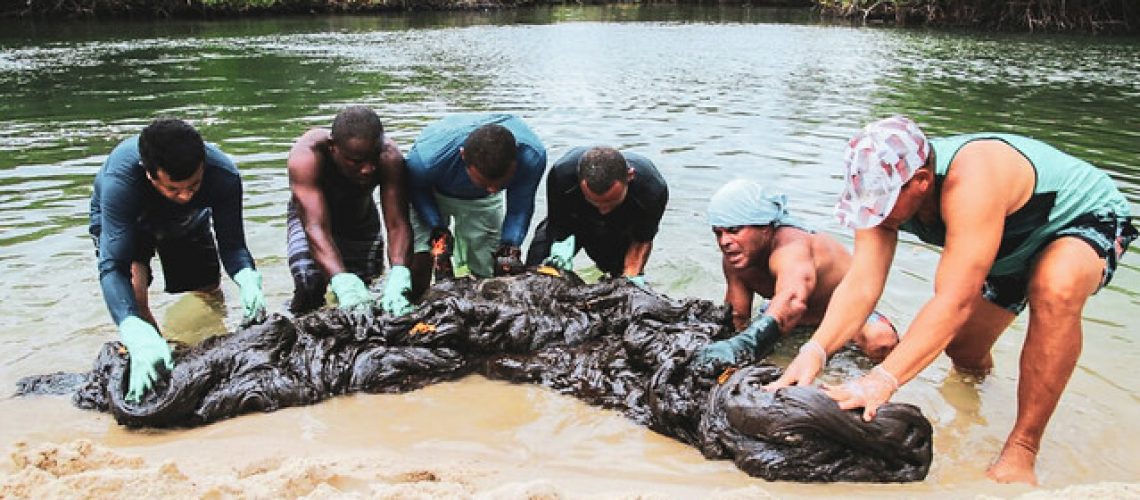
(147, 349)
(562, 254)
(639, 281)
(252, 298)
(756, 339)
(396, 287)
(351, 294)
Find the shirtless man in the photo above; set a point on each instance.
(769, 252)
(333, 226)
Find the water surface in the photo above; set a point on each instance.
(709, 94)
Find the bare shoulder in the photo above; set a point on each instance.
(793, 241)
(304, 150)
(312, 138)
(990, 169)
(823, 243)
(391, 155)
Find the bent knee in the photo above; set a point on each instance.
(877, 339)
(970, 355)
(1065, 297)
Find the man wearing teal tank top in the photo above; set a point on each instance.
(1021, 224)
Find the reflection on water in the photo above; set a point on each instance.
(708, 93)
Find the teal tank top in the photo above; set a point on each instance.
(1066, 188)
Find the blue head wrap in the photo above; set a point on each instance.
(744, 202)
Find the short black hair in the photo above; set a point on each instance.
(490, 149)
(172, 145)
(600, 167)
(357, 122)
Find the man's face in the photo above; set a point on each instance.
(909, 201)
(739, 243)
(179, 192)
(608, 201)
(491, 185)
(357, 158)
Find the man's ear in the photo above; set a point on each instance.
(923, 177)
(630, 175)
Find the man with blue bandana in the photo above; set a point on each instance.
(167, 191)
(769, 252)
(459, 168)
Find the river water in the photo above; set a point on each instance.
(709, 94)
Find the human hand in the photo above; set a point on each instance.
(396, 286)
(721, 352)
(442, 245)
(562, 254)
(804, 368)
(146, 349)
(351, 294)
(252, 297)
(868, 392)
(639, 281)
(508, 260)
(755, 339)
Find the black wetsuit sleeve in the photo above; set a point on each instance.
(227, 212)
(119, 206)
(561, 186)
(652, 196)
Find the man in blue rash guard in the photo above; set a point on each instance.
(768, 251)
(159, 191)
(605, 201)
(459, 168)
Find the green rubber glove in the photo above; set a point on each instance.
(562, 254)
(252, 298)
(147, 349)
(508, 260)
(351, 293)
(639, 281)
(396, 287)
(756, 339)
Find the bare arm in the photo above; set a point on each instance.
(738, 296)
(972, 195)
(794, 269)
(394, 203)
(636, 256)
(856, 295)
(304, 172)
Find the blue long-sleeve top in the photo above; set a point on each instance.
(434, 165)
(124, 203)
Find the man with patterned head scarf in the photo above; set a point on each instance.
(769, 252)
(1022, 223)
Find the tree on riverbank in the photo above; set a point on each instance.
(1031, 15)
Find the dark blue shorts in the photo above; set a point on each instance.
(1107, 234)
(189, 255)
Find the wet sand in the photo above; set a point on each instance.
(470, 438)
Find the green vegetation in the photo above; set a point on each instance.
(1031, 15)
(1020, 15)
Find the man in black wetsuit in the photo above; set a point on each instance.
(609, 203)
(333, 226)
(158, 192)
